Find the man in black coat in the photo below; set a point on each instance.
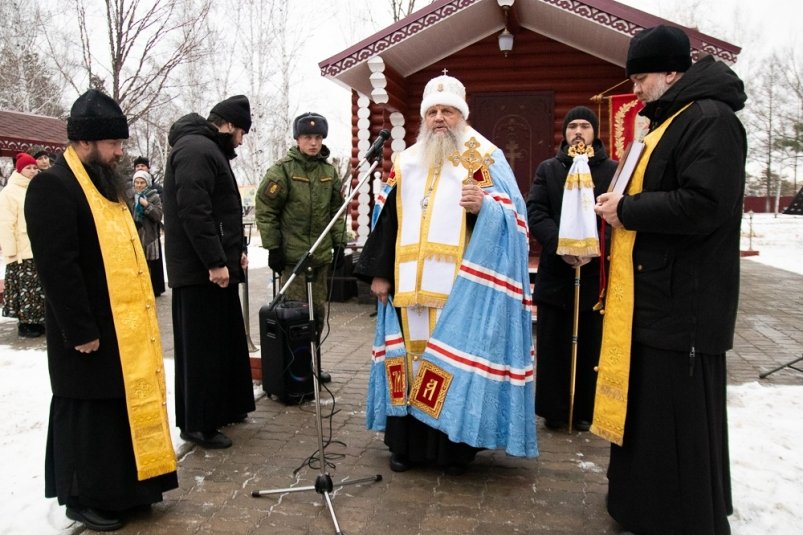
(554, 282)
(205, 262)
(681, 217)
(100, 346)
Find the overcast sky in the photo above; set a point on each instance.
(756, 26)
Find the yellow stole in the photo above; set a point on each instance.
(138, 339)
(610, 405)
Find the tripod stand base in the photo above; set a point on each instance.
(789, 364)
(323, 485)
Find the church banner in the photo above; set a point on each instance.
(626, 124)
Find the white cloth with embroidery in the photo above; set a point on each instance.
(432, 227)
(577, 233)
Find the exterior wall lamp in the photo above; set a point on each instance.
(505, 38)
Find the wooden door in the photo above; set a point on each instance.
(521, 125)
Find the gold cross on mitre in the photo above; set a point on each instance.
(440, 85)
(581, 148)
(472, 160)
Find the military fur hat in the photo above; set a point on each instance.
(310, 124)
(95, 116)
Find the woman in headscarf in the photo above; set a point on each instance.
(146, 207)
(24, 298)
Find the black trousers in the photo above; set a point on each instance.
(553, 353)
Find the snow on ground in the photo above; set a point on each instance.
(765, 427)
(778, 240)
(765, 423)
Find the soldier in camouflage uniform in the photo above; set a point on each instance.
(295, 201)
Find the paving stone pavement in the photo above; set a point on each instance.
(562, 491)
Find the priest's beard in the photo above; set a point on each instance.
(657, 91)
(104, 175)
(226, 143)
(437, 147)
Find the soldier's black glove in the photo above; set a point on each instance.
(338, 257)
(276, 259)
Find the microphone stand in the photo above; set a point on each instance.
(323, 482)
(245, 303)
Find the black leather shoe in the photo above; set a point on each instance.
(581, 425)
(94, 519)
(324, 377)
(399, 463)
(29, 330)
(213, 440)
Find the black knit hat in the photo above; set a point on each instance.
(141, 160)
(581, 112)
(236, 110)
(94, 116)
(658, 49)
(310, 124)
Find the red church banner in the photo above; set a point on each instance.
(626, 124)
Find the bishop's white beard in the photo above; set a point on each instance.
(437, 147)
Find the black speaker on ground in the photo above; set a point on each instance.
(285, 335)
(344, 283)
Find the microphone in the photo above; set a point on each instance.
(376, 148)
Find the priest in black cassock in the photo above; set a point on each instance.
(109, 450)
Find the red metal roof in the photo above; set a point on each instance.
(21, 131)
(602, 28)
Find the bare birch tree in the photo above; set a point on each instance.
(764, 124)
(791, 138)
(401, 8)
(26, 81)
(265, 57)
(145, 42)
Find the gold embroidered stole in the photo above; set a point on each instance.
(610, 406)
(138, 339)
(431, 235)
(429, 244)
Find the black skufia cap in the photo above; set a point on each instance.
(236, 110)
(94, 116)
(658, 49)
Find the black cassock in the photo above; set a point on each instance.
(89, 459)
(213, 371)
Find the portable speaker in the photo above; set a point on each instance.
(285, 336)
